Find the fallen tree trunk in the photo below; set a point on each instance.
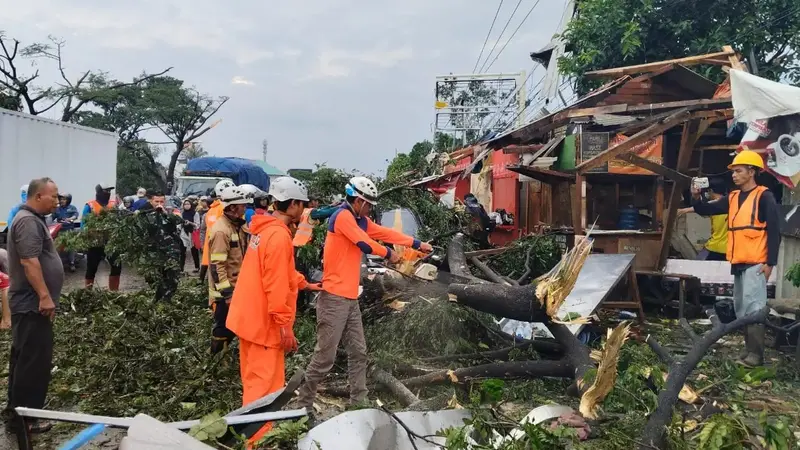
(518, 303)
(511, 302)
(542, 346)
(505, 370)
(653, 434)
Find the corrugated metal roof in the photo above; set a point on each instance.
(610, 120)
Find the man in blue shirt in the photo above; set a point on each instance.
(23, 196)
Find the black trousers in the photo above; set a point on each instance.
(93, 258)
(221, 336)
(195, 257)
(31, 360)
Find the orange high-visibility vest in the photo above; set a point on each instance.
(97, 207)
(305, 230)
(214, 213)
(747, 236)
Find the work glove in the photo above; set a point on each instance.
(288, 341)
(227, 294)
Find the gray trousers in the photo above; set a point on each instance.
(338, 319)
(749, 291)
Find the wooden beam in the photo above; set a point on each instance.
(649, 67)
(578, 205)
(730, 147)
(648, 133)
(659, 169)
(692, 131)
(520, 149)
(733, 58)
(692, 105)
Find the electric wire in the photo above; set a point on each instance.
(491, 27)
(497, 41)
(513, 34)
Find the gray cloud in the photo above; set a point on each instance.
(347, 82)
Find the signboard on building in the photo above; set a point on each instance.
(592, 144)
(651, 150)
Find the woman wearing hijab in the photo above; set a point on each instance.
(191, 222)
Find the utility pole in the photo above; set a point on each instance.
(264, 149)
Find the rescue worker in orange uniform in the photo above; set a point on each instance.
(350, 235)
(262, 310)
(753, 242)
(227, 244)
(102, 202)
(214, 212)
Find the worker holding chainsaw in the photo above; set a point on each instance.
(263, 307)
(350, 234)
(753, 242)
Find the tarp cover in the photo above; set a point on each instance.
(772, 113)
(241, 171)
(756, 98)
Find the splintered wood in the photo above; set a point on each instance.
(554, 287)
(606, 372)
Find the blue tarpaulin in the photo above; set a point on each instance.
(240, 170)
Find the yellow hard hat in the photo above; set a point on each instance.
(747, 158)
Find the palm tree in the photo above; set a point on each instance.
(194, 150)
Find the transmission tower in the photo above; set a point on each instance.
(264, 146)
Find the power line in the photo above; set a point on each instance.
(513, 34)
(500, 36)
(491, 27)
(510, 98)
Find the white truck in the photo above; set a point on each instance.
(77, 158)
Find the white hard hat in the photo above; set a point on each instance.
(104, 187)
(364, 188)
(24, 188)
(234, 195)
(252, 191)
(141, 192)
(288, 188)
(221, 186)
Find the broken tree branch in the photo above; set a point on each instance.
(402, 393)
(662, 354)
(490, 274)
(653, 434)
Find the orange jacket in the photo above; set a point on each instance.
(347, 239)
(265, 297)
(214, 213)
(747, 236)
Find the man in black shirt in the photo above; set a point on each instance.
(753, 242)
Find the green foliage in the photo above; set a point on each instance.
(777, 435)
(210, 428)
(284, 435)
(137, 167)
(436, 219)
(793, 274)
(149, 241)
(121, 354)
(753, 376)
(613, 33)
(429, 329)
(325, 182)
(721, 432)
(545, 255)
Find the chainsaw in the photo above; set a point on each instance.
(417, 265)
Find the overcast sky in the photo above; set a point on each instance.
(342, 82)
